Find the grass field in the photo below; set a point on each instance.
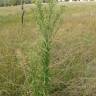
(73, 56)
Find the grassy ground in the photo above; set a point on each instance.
(73, 58)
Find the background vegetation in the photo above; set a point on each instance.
(13, 2)
(73, 56)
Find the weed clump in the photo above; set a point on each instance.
(47, 18)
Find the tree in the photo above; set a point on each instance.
(13, 2)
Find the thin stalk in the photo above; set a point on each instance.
(23, 12)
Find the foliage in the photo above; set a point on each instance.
(47, 18)
(13, 2)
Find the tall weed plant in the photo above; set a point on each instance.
(47, 17)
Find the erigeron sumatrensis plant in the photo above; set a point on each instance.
(47, 17)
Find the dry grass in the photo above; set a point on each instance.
(73, 54)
